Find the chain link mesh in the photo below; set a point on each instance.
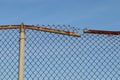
(50, 56)
(9, 49)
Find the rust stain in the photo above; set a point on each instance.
(40, 29)
(102, 32)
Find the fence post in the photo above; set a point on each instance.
(21, 53)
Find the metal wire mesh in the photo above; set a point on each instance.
(9, 49)
(51, 56)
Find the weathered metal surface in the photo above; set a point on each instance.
(53, 30)
(41, 29)
(21, 53)
(102, 32)
(9, 26)
(59, 31)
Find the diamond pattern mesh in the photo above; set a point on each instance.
(50, 56)
(9, 49)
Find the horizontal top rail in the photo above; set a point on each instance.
(102, 32)
(41, 29)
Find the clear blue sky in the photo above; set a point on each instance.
(91, 14)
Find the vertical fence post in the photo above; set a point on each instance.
(21, 53)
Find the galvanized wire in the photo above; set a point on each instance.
(51, 56)
(9, 49)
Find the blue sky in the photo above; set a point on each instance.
(91, 14)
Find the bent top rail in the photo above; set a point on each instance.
(102, 32)
(40, 29)
(69, 33)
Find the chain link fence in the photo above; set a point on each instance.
(9, 50)
(51, 56)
